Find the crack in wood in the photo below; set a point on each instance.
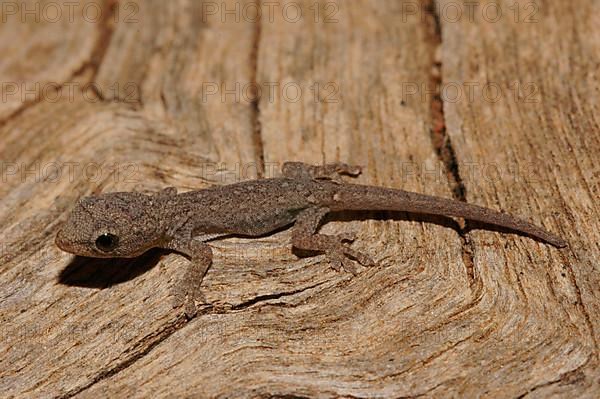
(259, 152)
(268, 297)
(439, 135)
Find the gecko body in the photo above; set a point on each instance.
(127, 224)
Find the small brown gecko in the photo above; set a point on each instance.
(126, 224)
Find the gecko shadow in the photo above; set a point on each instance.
(347, 216)
(471, 225)
(106, 272)
(440, 220)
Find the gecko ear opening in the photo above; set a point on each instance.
(107, 242)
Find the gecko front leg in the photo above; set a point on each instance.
(336, 248)
(188, 290)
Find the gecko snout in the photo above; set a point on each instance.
(65, 242)
(60, 241)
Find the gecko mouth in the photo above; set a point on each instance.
(64, 243)
(59, 241)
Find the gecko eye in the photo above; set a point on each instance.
(107, 242)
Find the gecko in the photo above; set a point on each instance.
(127, 224)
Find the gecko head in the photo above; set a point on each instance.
(113, 225)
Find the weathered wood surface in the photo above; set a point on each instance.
(448, 312)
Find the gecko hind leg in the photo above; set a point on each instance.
(335, 247)
(331, 171)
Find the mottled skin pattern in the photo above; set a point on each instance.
(127, 224)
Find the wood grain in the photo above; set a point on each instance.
(537, 136)
(451, 310)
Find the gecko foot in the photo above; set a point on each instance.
(335, 247)
(331, 171)
(345, 258)
(336, 169)
(187, 298)
(341, 256)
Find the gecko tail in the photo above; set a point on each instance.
(359, 197)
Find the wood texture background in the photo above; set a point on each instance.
(450, 311)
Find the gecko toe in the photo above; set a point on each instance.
(190, 308)
(191, 299)
(360, 257)
(187, 299)
(351, 170)
(177, 300)
(336, 264)
(340, 262)
(349, 266)
(364, 259)
(340, 258)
